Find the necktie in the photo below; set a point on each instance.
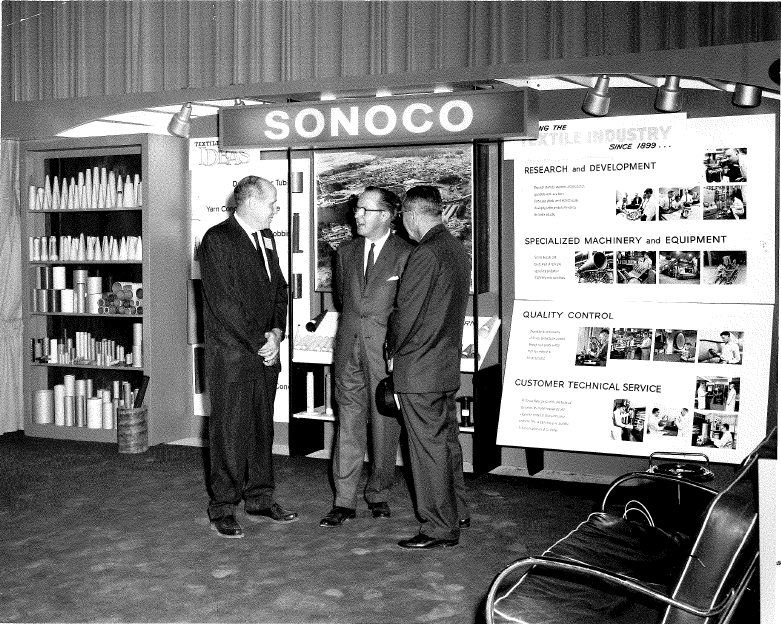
(262, 253)
(369, 265)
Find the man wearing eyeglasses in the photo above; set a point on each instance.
(424, 344)
(245, 307)
(367, 275)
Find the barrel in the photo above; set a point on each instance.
(132, 433)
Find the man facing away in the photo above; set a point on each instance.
(424, 345)
(245, 307)
(366, 280)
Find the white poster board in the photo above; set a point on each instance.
(649, 236)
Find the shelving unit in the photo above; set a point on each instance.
(162, 222)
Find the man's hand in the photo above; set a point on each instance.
(270, 350)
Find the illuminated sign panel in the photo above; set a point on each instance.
(431, 118)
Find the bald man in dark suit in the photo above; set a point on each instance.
(245, 307)
(366, 280)
(424, 344)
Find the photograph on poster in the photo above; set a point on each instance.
(628, 422)
(666, 420)
(679, 267)
(341, 175)
(675, 345)
(636, 267)
(724, 202)
(714, 430)
(631, 344)
(726, 164)
(718, 394)
(725, 347)
(593, 344)
(637, 205)
(679, 202)
(594, 267)
(724, 268)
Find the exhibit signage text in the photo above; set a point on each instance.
(408, 119)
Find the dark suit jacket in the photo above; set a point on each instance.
(365, 311)
(426, 327)
(240, 304)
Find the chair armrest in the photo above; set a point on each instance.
(650, 476)
(603, 575)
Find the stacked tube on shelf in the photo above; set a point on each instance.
(87, 296)
(73, 403)
(85, 249)
(83, 348)
(93, 189)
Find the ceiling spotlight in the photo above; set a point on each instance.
(747, 96)
(597, 100)
(239, 102)
(669, 98)
(180, 122)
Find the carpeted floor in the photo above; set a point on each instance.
(89, 535)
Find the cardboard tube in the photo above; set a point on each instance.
(43, 407)
(58, 277)
(59, 405)
(95, 413)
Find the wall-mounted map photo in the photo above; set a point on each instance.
(341, 175)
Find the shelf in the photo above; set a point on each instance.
(467, 429)
(318, 414)
(111, 316)
(71, 433)
(90, 366)
(98, 262)
(312, 357)
(80, 210)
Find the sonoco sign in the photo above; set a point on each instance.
(436, 118)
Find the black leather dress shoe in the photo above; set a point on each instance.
(380, 510)
(464, 523)
(276, 513)
(337, 516)
(422, 540)
(227, 527)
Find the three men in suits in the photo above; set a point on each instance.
(424, 345)
(245, 307)
(367, 275)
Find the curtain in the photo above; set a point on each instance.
(55, 50)
(11, 413)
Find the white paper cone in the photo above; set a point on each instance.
(90, 248)
(137, 189)
(32, 198)
(128, 194)
(72, 194)
(123, 248)
(111, 191)
(64, 195)
(55, 194)
(82, 251)
(47, 193)
(53, 255)
(102, 196)
(88, 190)
(139, 254)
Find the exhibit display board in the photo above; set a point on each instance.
(644, 285)
(214, 173)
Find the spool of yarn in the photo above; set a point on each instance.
(66, 300)
(69, 381)
(108, 415)
(80, 276)
(43, 407)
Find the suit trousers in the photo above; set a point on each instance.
(432, 434)
(356, 381)
(241, 436)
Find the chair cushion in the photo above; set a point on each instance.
(635, 549)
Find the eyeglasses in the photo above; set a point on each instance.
(358, 209)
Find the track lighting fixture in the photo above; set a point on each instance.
(597, 100)
(238, 102)
(669, 98)
(180, 122)
(747, 96)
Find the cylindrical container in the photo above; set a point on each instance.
(95, 413)
(79, 302)
(92, 306)
(310, 392)
(297, 182)
(327, 382)
(66, 300)
(59, 405)
(43, 407)
(132, 433)
(108, 415)
(80, 276)
(41, 302)
(94, 285)
(81, 410)
(137, 334)
(70, 384)
(45, 277)
(53, 350)
(296, 285)
(295, 235)
(70, 411)
(58, 278)
(51, 300)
